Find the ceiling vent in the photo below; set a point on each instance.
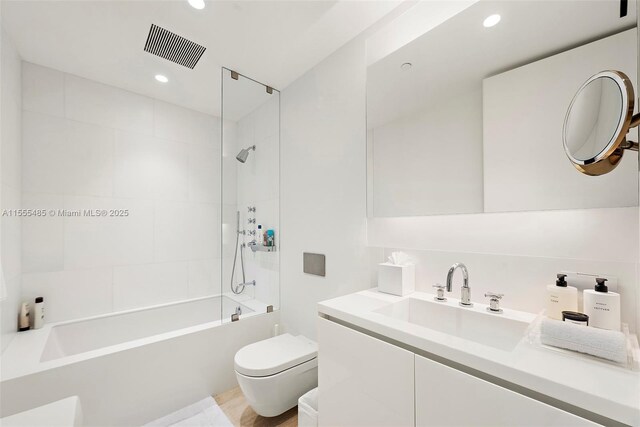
(170, 46)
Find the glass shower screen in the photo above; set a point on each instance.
(250, 197)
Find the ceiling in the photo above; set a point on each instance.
(458, 54)
(273, 42)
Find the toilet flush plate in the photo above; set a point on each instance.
(314, 264)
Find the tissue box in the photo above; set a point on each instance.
(396, 279)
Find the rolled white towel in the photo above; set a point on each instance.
(611, 345)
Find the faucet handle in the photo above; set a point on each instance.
(493, 295)
(439, 292)
(494, 302)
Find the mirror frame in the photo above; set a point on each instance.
(610, 156)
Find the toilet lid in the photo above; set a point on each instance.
(274, 355)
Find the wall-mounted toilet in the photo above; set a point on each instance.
(275, 372)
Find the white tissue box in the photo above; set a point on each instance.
(396, 279)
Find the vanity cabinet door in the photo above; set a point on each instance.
(362, 381)
(448, 397)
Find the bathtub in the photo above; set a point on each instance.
(131, 367)
(127, 327)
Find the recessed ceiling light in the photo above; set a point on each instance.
(197, 4)
(161, 78)
(491, 20)
(406, 66)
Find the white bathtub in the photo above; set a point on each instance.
(98, 333)
(131, 367)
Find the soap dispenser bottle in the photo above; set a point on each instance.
(561, 297)
(602, 306)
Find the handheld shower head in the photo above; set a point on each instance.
(244, 153)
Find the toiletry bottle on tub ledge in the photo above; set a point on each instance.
(38, 313)
(23, 318)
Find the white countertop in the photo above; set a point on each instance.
(597, 386)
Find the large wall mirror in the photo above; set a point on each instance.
(468, 118)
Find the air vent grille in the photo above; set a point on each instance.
(170, 46)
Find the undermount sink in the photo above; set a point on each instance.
(475, 324)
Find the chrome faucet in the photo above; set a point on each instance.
(465, 296)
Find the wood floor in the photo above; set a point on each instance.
(234, 405)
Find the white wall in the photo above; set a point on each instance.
(430, 162)
(323, 184)
(91, 146)
(10, 197)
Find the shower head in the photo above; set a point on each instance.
(244, 153)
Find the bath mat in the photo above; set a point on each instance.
(205, 413)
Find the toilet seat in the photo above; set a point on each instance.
(274, 355)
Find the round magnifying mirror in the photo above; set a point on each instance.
(597, 122)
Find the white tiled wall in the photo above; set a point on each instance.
(91, 146)
(10, 197)
(229, 199)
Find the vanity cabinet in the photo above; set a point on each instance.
(365, 381)
(445, 396)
